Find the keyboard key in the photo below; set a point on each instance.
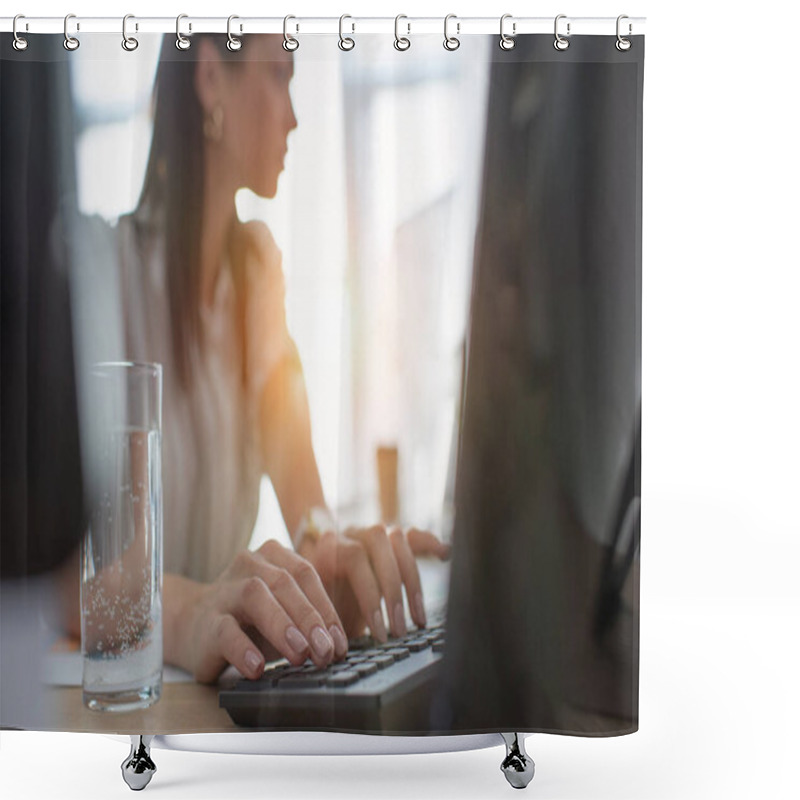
(398, 653)
(367, 668)
(415, 645)
(382, 661)
(303, 681)
(259, 684)
(438, 647)
(273, 675)
(342, 679)
(361, 643)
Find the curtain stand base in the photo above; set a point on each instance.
(517, 766)
(138, 768)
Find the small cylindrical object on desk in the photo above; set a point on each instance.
(387, 458)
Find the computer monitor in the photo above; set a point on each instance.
(543, 599)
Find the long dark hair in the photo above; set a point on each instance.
(174, 187)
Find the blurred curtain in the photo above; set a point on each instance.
(41, 494)
(41, 502)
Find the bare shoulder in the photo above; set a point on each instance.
(255, 237)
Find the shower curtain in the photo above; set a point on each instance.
(395, 290)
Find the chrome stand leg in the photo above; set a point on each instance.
(517, 766)
(138, 768)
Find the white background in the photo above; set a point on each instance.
(720, 606)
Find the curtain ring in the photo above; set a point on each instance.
(346, 43)
(561, 43)
(234, 43)
(181, 42)
(128, 42)
(70, 42)
(623, 44)
(19, 42)
(290, 44)
(451, 42)
(507, 42)
(401, 43)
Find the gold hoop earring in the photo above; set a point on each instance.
(212, 125)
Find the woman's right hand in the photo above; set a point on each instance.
(267, 604)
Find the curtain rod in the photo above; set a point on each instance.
(241, 26)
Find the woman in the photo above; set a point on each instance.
(203, 294)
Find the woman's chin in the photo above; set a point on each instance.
(270, 189)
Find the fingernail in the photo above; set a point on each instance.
(253, 662)
(323, 644)
(296, 640)
(420, 609)
(378, 628)
(339, 639)
(399, 620)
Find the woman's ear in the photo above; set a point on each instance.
(208, 75)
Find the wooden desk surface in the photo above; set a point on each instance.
(183, 708)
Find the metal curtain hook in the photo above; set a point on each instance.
(234, 43)
(401, 42)
(181, 42)
(128, 42)
(290, 44)
(19, 42)
(507, 42)
(346, 43)
(623, 44)
(561, 43)
(451, 42)
(70, 42)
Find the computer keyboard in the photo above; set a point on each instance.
(378, 687)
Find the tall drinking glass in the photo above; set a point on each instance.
(121, 554)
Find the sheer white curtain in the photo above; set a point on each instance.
(308, 218)
(375, 215)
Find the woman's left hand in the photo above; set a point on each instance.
(364, 565)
